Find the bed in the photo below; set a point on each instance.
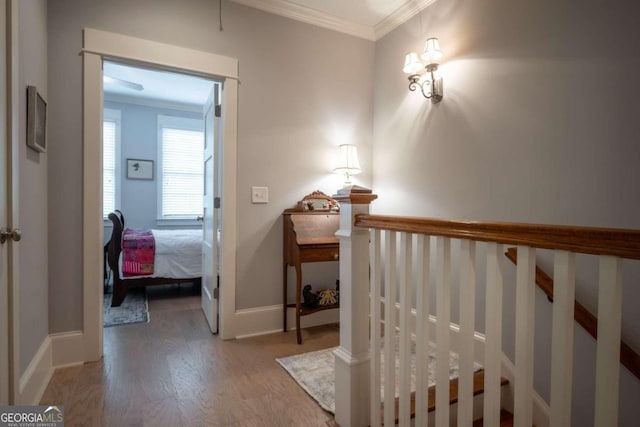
(178, 259)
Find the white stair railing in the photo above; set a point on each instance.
(372, 277)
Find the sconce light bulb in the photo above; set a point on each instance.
(432, 52)
(412, 64)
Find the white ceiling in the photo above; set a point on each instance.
(158, 85)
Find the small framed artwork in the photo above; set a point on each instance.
(139, 169)
(36, 120)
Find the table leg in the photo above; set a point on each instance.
(284, 296)
(298, 301)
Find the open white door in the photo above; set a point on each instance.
(210, 242)
(4, 147)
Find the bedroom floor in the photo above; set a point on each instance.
(173, 372)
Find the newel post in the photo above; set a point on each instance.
(352, 357)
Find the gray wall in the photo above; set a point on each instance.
(139, 140)
(539, 123)
(303, 91)
(32, 249)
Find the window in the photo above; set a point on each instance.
(110, 161)
(181, 178)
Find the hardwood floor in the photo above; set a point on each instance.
(173, 372)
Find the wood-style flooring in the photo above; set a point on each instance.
(173, 372)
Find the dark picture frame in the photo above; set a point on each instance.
(139, 169)
(36, 120)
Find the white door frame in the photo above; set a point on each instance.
(99, 46)
(4, 170)
(9, 295)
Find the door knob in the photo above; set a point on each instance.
(15, 235)
(199, 218)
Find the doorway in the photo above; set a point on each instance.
(99, 46)
(160, 133)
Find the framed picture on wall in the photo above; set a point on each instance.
(36, 120)
(139, 169)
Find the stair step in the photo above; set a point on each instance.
(478, 388)
(506, 419)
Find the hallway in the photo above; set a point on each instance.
(173, 372)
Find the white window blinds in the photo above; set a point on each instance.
(182, 168)
(110, 142)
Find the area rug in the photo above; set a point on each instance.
(134, 309)
(314, 372)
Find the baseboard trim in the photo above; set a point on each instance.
(67, 349)
(35, 378)
(268, 320)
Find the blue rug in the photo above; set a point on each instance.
(134, 309)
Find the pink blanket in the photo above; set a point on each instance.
(138, 252)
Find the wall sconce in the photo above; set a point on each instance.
(348, 163)
(431, 86)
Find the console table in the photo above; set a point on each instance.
(309, 236)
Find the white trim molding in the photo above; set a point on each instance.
(159, 55)
(335, 23)
(400, 16)
(101, 45)
(56, 351)
(268, 320)
(311, 16)
(35, 378)
(67, 349)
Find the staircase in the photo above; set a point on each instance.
(478, 389)
(506, 420)
(395, 270)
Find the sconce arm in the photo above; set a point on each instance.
(431, 88)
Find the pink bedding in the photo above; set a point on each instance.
(138, 252)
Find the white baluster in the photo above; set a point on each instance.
(564, 279)
(376, 329)
(493, 340)
(608, 344)
(404, 405)
(525, 305)
(389, 328)
(422, 329)
(467, 329)
(443, 314)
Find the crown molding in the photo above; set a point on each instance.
(332, 22)
(311, 16)
(399, 17)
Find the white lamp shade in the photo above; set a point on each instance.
(432, 52)
(412, 64)
(348, 160)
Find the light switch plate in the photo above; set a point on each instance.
(259, 194)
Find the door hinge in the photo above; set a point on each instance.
(216, 202)
(216, 293)
(218, 111)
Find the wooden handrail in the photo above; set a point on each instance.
(629, 358)
(588, 240)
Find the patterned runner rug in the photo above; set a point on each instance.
(314, 372)
(134, 309)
